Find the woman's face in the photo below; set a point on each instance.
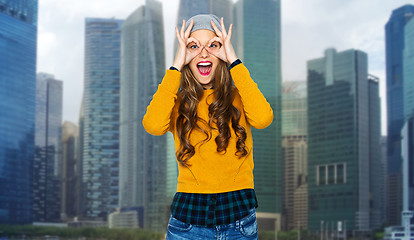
(204, 64)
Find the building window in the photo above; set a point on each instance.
(331, 174)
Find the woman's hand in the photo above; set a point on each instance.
(226, 51)
(184, 55)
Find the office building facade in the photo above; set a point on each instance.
(18, 38)
(48, 149)
(70, 171)
(338, 141)
(294, 143)
(408, 69)
(394, 43)
(142, 156)
(376, 165)
(100, 160)
(407, 137)
(256, 22)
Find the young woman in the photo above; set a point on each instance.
(211, 123)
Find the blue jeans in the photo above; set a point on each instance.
(245, 228)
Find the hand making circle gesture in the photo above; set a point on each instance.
(226, 51)
(183, 55)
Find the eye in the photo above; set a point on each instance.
(214, 45)
(192, 46)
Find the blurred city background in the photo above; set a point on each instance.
(76, 78)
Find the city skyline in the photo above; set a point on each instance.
(125, 59)
(304, 36)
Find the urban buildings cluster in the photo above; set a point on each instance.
(322, 164)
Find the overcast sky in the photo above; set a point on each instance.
(308, 28)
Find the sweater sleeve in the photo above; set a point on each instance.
(258, 111)
(156, 120)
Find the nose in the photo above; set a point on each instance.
(204, 53)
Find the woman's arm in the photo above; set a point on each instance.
(157, 119)
(258, 111)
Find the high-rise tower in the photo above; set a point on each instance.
(256, 38)
(408, 69)
(142, 156)
(376, 166)
(294, 142)
(338, 140)
(47, 174)
(395, 43)
(101, 117)
(70, 171)
(18, 38)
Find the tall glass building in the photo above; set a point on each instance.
(80, 185)
(294, 142)
(47, 174)
(18, 36)
(394, 45)
(338, 141)
(257, 37)
(407, 139)
(101, 117)
(408, 69)
(142, 156)
(376, 166)
(70, 171)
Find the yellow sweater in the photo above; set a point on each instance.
(210, 171)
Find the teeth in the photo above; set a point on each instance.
(204, 64)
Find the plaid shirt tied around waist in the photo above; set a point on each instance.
(210, 210)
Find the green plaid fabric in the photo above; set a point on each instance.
(210, 210)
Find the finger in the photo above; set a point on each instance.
(177, 33)
(188, 31)
(191, 39)
(218, 33)
(230, 30)
(182, 29)
(215, 39)
(198, 51)
(192, 54)
(214, 53)
(223, 29)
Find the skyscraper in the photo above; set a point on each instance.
(338, 140)
(408, 66)
(376, 166)
(47, 175)
(255, 23)
(101, 116)
(18, 36)
(70, 171)
(394, 38)
(407, 137)
(294, 142)
(142, 156)
(80, 185)
(408, 69)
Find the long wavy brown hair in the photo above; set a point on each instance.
(221, 112)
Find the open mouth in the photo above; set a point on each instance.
(204, 67)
